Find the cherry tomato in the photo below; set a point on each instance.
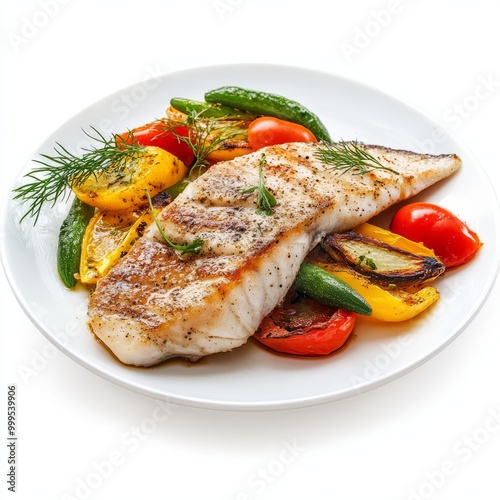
(303, 327)
(437, 228)
(159, 134)
(267, 131)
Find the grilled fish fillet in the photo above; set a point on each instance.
(157, 304)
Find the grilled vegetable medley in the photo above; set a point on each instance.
(122, 184)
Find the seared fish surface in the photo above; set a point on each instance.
(157, 304)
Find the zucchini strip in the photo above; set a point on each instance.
(329, 290)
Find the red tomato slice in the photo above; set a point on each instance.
(437, 228)
(267, 131)
(159, 134)
(303, 327)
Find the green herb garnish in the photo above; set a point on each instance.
(367, 260)
(60, 172)
(206, 136)
(349, 156)
(193, 247)
(265, 200)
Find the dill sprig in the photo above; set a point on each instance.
(349, 156)
(265, 200)
(206, 136)
(58, 173)
(193, 247)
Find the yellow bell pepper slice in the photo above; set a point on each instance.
(154, 170)
(108, 237)
(391, 305)
(387, 305)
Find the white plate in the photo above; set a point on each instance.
(251, 378)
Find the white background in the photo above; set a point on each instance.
(429, 434)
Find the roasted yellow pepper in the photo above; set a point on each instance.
(108, 237)
(388, 303)
(125, 189)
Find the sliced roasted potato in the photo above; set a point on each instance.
(381, 263)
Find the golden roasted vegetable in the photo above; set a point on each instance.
(227, 150)
(390, 304)
(381, 263)
(109, 236)
(384, 271)
(395, 240)
(226, 138)
(125, 189)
